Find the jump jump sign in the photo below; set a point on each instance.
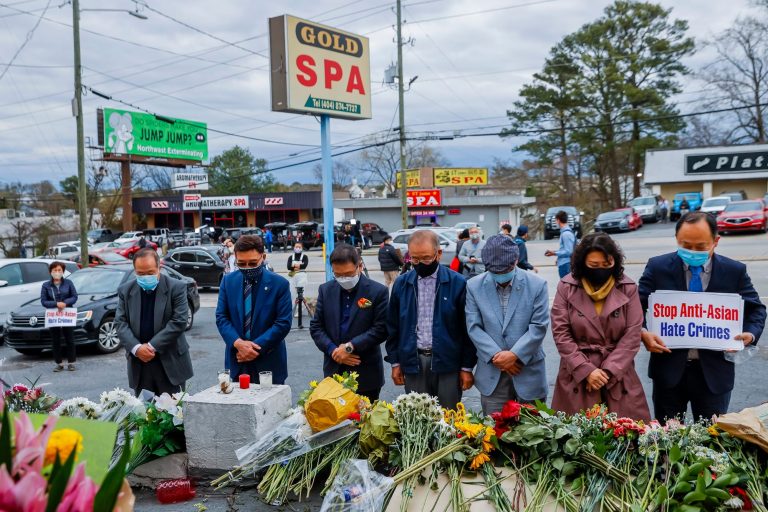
(696, 320)
(318, 69)
(66, 317)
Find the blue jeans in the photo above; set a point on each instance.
(564, 269)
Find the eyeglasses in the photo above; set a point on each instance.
(426, 261)
(248, 264)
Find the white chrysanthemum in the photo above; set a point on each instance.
(78, 407)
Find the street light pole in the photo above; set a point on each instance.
(77, 109)
(403, 173)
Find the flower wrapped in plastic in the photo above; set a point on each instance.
(78, 407)
(118, 405)
(357, 488)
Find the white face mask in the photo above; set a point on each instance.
(348, 282)
(57, 275)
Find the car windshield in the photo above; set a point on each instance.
(642, 201)
(743, 207)
(92, 281)
(611, 215)
(94, 233)
(450, 235)
(716, 202)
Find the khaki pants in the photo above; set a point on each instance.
(390, 276)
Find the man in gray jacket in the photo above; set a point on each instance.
(471, 254)
(507, 318)
(151, 319)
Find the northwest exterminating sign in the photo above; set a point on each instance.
(318, 69)
(136, 133)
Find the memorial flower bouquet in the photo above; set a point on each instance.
(160, 430)
(78, 407)
(38, 470)
(30, 399)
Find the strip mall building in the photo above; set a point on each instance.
(710, 170)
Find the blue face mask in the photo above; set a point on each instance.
(504, 278)
(693, 258)
(148, 283)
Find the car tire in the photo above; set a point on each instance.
(107, 341)
(29, 351)
(190, 316)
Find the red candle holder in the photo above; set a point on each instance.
(245, 381)
(175, 491)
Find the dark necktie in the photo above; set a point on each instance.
(247, 309)
(695, 285)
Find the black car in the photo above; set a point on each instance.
(202, 263)
(96, 307)
(307, 233)
(235, 233)
(281, 234)
(552, 228)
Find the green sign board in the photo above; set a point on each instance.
(137, 133)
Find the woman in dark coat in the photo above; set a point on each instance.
(596, 322)
(60, 293)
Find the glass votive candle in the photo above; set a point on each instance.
(265, 379)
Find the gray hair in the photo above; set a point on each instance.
(147, 252)
(424, 235)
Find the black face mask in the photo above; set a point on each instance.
(253, 274)
(598, 276)
(426, 269)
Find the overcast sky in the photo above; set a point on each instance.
(471, 58)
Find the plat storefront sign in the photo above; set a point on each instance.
(696, 319)
(460, 177)
(424, 198)
(318, 69)
(190, 181)
(137, 133)
(218, 203)
(715, 163)
(413, 176)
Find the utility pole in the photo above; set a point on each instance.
(401, 102)
(77, 109)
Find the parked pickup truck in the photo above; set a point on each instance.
(694, 200)
(96, 236)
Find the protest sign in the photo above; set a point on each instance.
(696, 319)
(66, 317)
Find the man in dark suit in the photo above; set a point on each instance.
(151, 319)
(704, 378)
(253, 315)
(350, 322)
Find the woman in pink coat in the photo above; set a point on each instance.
(596, 321)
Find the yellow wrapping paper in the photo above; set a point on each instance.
(329, 404)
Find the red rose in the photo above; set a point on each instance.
(354, 416)
(511, 410)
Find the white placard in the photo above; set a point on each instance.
(66, 317)
(696, 319)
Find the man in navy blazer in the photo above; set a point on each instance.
(253, 315)
(350, 322)
(705, 378)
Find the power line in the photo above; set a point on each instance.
(200, 31)
(27, 39)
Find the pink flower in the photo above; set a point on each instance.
(30, 445)
(79, 494)
(26, 495)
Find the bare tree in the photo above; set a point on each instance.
(343, 173)
(23, 232)
(379, 164)
(741, 74)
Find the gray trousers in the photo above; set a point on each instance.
(445, 386)
(504, 392)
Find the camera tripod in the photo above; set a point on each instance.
(298, 309)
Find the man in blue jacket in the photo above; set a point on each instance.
(705, 378)
(567, 244)
(254, 315)
(428, 346)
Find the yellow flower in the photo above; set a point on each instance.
(62, 442)
(471, 430)
(338, 378)
(713, 431)
(479, 460)
(313, 384)
(489, 433)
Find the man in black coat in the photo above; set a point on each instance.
(390, 260)
(350, 322)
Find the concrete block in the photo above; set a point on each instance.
(165, 468)
(217, 424)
